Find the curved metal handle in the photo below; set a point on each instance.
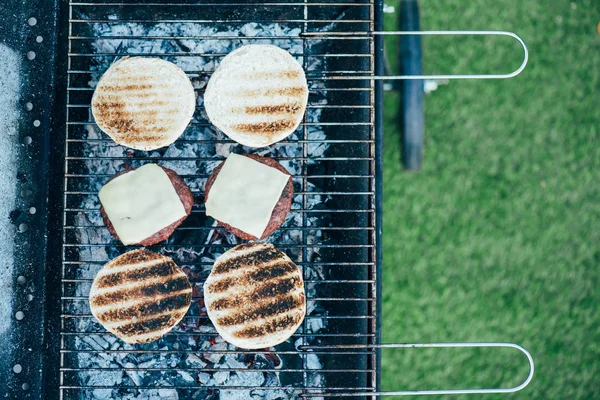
(426, 392)
(441, 33)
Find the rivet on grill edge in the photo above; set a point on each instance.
(23, 228)
(31, 55)
(29, 297)
(39, 39)
(28, 106)
(17, 368)
(36, 123)
(21, 280)
(27, 140)
(32, 210)
(19, 315)
(32, 21)
(25, 386)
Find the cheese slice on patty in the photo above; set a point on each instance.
(140, 203)
(245, 193)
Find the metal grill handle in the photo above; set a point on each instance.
(426, 392)
(440, 33)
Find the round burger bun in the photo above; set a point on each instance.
(281, 210)
(257, 96)
(255, 296)
(143, 103)
(140, 295)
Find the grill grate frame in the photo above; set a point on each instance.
(353, 195)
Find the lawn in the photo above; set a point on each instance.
(498, 237)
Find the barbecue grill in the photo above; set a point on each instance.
(56, 52)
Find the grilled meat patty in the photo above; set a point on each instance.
(258, 95)
(281, 210)
(143, 103)
(140, 295)
(254, 296)
(185, 195)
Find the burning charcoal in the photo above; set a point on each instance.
(233, 362)
(106, 378)
(215, 357)
(168, 394)
(187, 377)
(203, 377)
(314, 325)
(95, 342)
(101, 394)
(195, 361)
(135, 376)
(221, 377)
(250, 379)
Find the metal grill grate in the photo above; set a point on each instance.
(330, 232)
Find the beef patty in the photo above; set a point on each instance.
(185, 195)
(281, 210)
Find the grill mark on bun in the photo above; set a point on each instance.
(257, 274)
(146, 326)
(149, 308)
(273, 75)
(134, 87)
(269, 327)
(257, 294)
(276, 306)
(153, 290)
(157, 270)
(149, 112)
(266, 127)
(259, 257)
(135, 257)
(288, 108)
(290, 91)
(127, 122)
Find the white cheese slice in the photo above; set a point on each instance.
(245, 194)
(141, 203)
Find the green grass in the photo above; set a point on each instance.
(498, 238)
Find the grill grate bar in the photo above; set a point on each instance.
(203, 228)
(233, 4)
(201, 210)
(218, 21)
(192, 54)
(211, 245)
(214, 334)
(350, 264)
(202, 281)
(296, 177)
(339, 36)
(310, 106)
(287, 388)
(238, 351)
(194, 317)
(219, 369)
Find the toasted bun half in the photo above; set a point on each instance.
(254, 296)
(257, 96)
(143, 103)
(140, 295)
